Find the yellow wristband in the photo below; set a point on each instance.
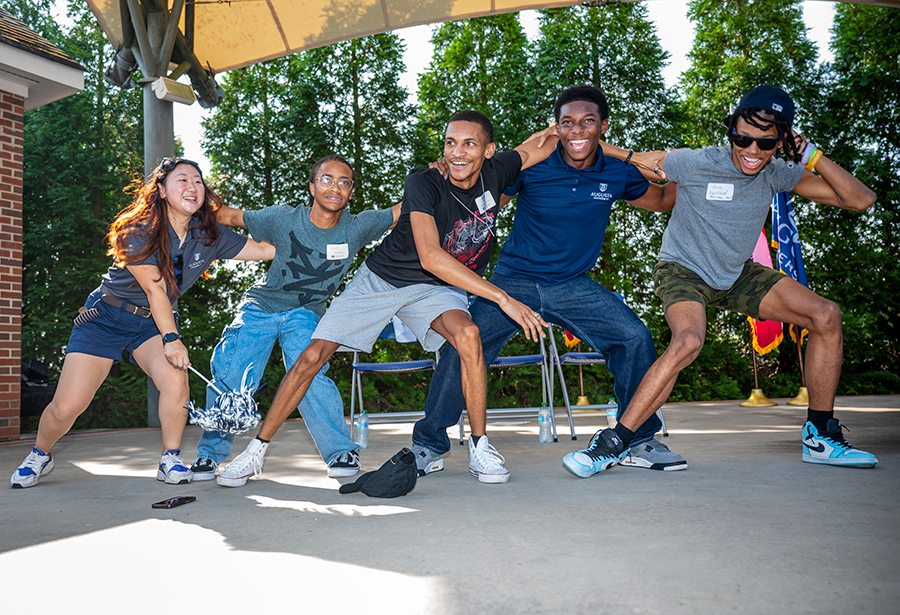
(815, 158)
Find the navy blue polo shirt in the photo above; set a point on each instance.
(196, 257)
(561, 216)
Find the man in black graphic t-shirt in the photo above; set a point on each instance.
(412, 275)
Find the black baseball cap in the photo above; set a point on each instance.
(768, 98)
(396, 477)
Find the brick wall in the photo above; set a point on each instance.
(11, 121)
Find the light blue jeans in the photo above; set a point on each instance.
(250, 339)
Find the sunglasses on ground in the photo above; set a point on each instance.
(766, 144)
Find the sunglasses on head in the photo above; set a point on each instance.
(766, 144)
(167, 164)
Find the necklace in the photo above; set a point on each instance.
(485, 219)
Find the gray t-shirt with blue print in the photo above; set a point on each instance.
(719, 211)
(309, 261)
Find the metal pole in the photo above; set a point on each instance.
(800, 355)
(159, 142)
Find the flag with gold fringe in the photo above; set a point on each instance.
(767, 334)
(571, 340)
(786, 240)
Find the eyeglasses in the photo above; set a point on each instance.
(178, 262)
(327, 181)
(766, 144)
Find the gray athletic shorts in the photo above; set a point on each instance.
(361, 312)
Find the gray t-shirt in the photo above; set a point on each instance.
(309, 261)
(719, 211)
(195, 256)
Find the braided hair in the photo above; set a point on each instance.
(764, 119)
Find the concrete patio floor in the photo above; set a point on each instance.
(747, 528)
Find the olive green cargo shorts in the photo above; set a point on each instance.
(674, 283)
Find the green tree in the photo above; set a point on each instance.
(739, 44)
(853, 257)
(79, 153)
(481, 64)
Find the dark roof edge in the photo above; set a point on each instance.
(16, 34)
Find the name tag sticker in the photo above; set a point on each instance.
(719, 192)
(485, 202)
(337, 251)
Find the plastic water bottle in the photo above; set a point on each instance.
(361, 434)
(611, 415)
(545, 428)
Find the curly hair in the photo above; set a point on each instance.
(586, 93)
(148, 214)
(764, 119)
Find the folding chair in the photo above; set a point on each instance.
(581, 358)
(522, 412)
(396, 367)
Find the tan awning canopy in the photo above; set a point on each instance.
(229, 34)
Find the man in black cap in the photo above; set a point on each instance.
(723, 197)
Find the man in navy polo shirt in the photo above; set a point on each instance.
(561, 218)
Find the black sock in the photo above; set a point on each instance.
(475, 439)
(624, 433)
(261, 440)
(819, 419)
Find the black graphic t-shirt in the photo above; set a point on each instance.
(464, 218)
(309, 261)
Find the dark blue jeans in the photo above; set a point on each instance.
(584, 307)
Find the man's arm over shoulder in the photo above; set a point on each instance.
(531, 154)
(657, 198)
(834, 186)
(395, 211)
(229, 216)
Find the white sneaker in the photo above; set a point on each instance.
(246, 465)
(173, 470)
(486, 463)
(37, 464)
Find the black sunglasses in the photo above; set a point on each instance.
(178, 261)
(167, 164)
(766, 144)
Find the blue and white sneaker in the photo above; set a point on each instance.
(606, 450)
(173, 470)
(831, 448)
(37, 464)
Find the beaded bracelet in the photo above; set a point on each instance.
(815, 158)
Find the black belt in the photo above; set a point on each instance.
(114, 301)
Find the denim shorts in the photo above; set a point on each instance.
(674, 283)
(361, 312)
(110, 331)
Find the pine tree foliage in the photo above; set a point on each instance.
(739, 44)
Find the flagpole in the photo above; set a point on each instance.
(802, 398)
(757, 399)
(582, 399)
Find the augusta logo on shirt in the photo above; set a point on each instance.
(195, 262)
(602, 194)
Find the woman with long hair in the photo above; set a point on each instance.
(161, 244)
